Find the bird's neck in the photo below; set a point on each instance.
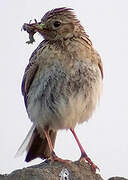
(63, 43)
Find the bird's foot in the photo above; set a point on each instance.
(86, 158)
(54, 157)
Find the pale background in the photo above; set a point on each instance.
(105, 136)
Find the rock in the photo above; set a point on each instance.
(56, 171)
(117, 178)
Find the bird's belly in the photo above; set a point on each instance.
(56, 102)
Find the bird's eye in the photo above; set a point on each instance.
(57, 24)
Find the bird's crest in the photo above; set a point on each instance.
(63, 10)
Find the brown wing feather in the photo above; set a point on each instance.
(30, 72)
(101, 68)
(29, 75)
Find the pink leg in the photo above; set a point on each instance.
(83, 153)
(53, 155)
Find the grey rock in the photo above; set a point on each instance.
(117, 178)
(56, 171)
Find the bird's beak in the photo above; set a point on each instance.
(39, 26)
(34, 27)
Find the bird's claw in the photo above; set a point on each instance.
(54, 157)
(93, 166)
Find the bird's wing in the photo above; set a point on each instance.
(101, 68)
(98, 61)
(30, 72)
(96, 56)
(28, 77)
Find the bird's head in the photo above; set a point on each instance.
(59, 23)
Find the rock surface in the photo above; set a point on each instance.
(56, 171)
(117, 178)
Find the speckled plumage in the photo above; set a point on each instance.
(63, 80)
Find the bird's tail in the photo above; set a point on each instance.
(36, 145)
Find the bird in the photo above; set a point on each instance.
(62, 82)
